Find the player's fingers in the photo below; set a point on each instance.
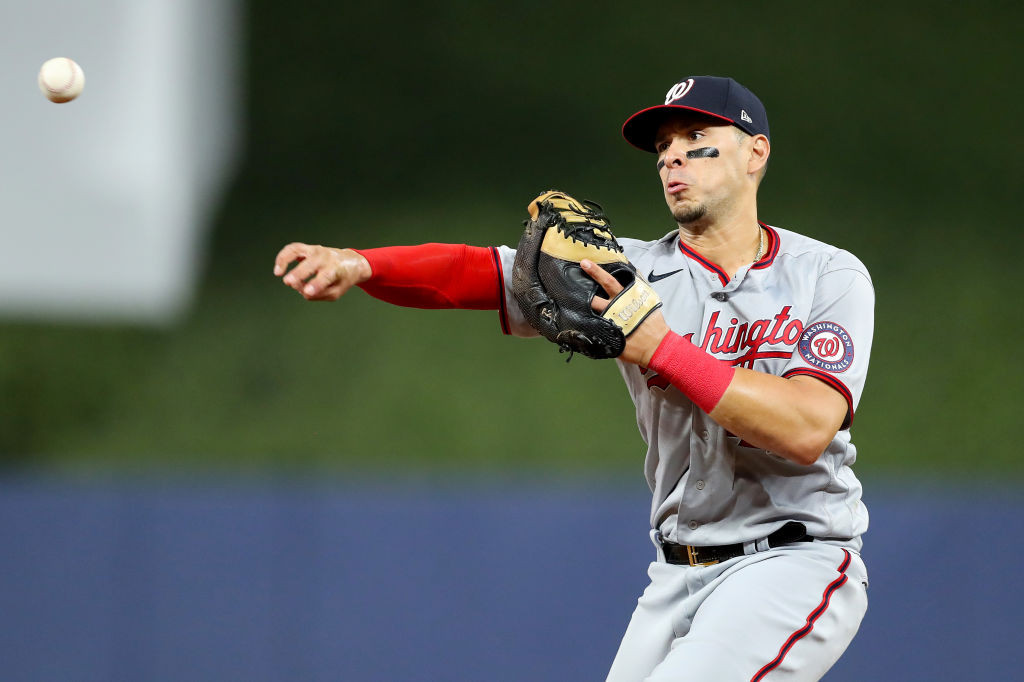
(331, 293)
(599, 304)
(291, 252)
(601, 276)
(302, 272)
(325, 278)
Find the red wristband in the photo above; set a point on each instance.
(701, 377)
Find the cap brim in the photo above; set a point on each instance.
(641, 128)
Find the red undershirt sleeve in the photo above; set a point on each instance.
(435, 276)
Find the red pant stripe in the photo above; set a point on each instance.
(814, 615)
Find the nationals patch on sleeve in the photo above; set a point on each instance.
(827, 346)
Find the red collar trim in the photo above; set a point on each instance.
(773, 248)
(767, 259)
(708, 265)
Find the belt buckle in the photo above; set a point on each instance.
(691, 556)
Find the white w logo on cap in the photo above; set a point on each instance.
(678, 90)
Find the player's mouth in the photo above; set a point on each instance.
(675, 187)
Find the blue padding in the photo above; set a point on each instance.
(367, 581)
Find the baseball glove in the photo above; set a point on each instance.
(555, 293)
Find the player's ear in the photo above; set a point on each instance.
(760, 150)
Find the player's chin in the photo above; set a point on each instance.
(687, 211)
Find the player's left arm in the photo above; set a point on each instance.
(795, 417)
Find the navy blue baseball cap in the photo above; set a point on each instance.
(714, 96)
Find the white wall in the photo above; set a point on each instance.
(105, 201)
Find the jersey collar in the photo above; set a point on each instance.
(766, 260)
(771, 250)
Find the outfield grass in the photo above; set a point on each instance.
(255, 379)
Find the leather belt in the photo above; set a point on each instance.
(689, 555)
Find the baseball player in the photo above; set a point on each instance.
(745, 382)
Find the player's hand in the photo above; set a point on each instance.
(641, 344)
(321, 273)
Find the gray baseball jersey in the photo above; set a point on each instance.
(805, 308)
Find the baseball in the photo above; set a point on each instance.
(61, 79)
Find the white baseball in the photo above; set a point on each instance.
(61, 79)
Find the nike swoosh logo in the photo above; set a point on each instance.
(654, 278)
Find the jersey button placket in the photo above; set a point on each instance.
(699, 438)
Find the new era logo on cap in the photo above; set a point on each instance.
(714, 96)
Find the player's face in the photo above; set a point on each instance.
(700, 188)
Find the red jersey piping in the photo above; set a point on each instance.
(766, 260)
(832, 381)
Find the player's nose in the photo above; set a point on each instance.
(675, 155)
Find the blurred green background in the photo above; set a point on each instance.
(895, 135)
